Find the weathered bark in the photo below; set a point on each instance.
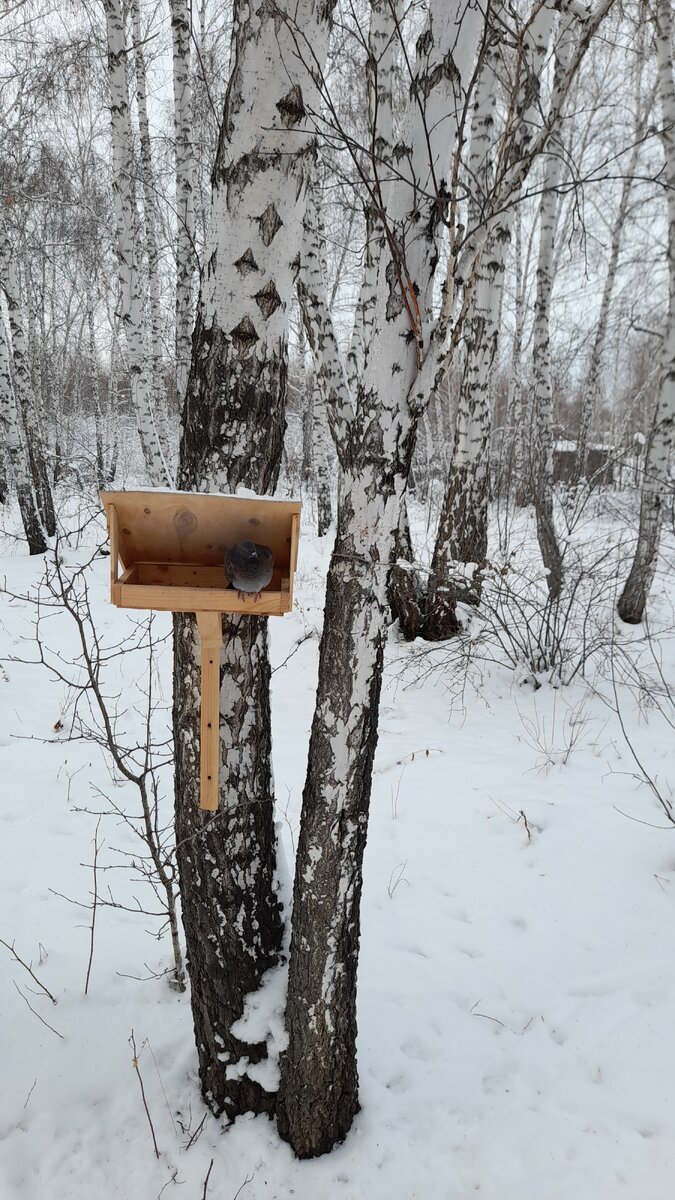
(307, 464)
(27, 407)
(407, 599)
(374, 430)
(128, 251)
(319, 1090)
(185, 187)
(462, 536)
(517, 410)
(101, 472)
(233, 423)
(541, 353)
(11, 425)
(320, 459)
(150, 222)
(633, 599)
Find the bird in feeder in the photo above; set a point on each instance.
(248, 567)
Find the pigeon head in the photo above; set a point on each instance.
(248, 551)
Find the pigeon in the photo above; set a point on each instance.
(248, 568)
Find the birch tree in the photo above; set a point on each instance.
(462, 530)
(128, 251)
(23, 383)
(14, 443)
(232, 433)
(374, 429)
(633, 599)
(542, 387)
(150, 224)
(592, 389)
(181, 32)
(516, 406)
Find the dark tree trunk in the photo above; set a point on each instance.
(227, 860)
(321, 1013)
(406, 594)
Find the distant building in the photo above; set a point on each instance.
(599, 463)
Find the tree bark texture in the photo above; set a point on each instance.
(462, 536)
(232, 436)
(181, 32)
(150, 222)
(374, 429)
(541, 353)
(10, 422)
(33, 436)
(321, 456)
(128, 250)
(633, 599)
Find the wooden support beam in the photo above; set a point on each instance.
(113, 534)
(210, 630)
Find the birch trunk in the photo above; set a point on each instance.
(128, 252)
(150, 221)
(374, 430)
(320, 458)
(541, 352)
(592, 391)
(633, 599)
(101, 473)
(517, 410)
(23, 389)
(233, 423)
(462, 536)
(181, 28)
(10, 422)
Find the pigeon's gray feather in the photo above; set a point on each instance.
(249, 566)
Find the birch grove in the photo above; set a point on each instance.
(413, 264)
(374, 431)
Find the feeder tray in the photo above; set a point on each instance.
(171, 546)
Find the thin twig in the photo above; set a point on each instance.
(197, 1133)
(27, 968)
(93, 909)
(248, 1179)
(137, 1069)
(36, 1014)
(206, 1181)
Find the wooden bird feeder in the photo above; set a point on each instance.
(171, 546)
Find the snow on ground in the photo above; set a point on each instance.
(517, 977)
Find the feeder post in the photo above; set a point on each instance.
(210, 631)
(113, 533)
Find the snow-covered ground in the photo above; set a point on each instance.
(517, 973)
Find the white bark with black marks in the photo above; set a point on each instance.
(232, 436)
(128, 252)
(462, 535)
(633, 599)
(28, 410)
(375, 430)
(542, 385)
(11, 425)
(181, 32)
